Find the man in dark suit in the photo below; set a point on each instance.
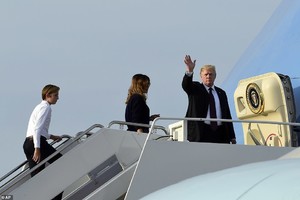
(206, 101)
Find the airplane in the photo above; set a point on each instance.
(275, 49)
(108, 163)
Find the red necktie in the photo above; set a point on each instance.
(212, 110)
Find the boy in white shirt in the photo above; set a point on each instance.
(36, 147)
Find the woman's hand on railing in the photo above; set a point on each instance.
(152, 117)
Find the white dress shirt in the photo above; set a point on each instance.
(217, 103)
(39, 122)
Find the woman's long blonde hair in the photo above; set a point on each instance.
(139, 85)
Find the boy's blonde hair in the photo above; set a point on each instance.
(49, 89)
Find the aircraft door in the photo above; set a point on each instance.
(266, 97)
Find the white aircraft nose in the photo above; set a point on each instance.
(277, 179)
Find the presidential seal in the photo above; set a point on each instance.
(255, 99)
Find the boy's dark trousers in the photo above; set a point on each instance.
(46, 150)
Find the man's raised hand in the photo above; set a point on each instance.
(190, 65)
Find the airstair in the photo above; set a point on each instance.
(113, 164)
(106, 157)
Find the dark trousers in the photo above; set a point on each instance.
(46, 150)
(217, 136)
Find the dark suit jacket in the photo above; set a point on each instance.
(198, 106)
(137, 111)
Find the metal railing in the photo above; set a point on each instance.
(122, 123)
(23, 164)
(207, 119)
(12, 182)
(294, 124)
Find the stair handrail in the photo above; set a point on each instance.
(11, 183)
(294, 124)
(25, 162)
(138, 124)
